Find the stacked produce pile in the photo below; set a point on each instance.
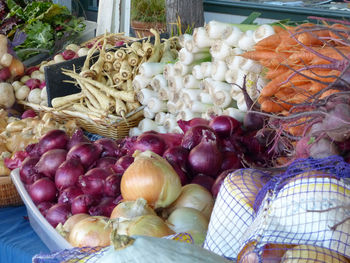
(106, 84)
(35, 27)
(206, 79)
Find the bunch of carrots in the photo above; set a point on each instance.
(301, 62)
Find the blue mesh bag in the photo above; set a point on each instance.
(300, 215)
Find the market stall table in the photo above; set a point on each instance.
(18, 241)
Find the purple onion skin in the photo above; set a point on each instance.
(50, 161)
(77, 137)
(82, 203)
(55, 139)
(195, 134)
(87, 152)
(109, 147)
(44, 206)
(106, 163)
(68, 173)
(112, 185)
(152, 142)
(122, 164)
(219, 181)
(68, 194)
(58, 213)
(177, 154)
(225, 126)
(93, 182)
(205, 158)
(27, 169)
(43, 190)
(203, 180)
(104, 208)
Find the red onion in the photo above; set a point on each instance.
(27, 169)
(180, 172)
(28, 114)
(54, 139)
(230, 160)
(5, 74)
(44, 206)
(43, 190)
(77, 137)
(225, 126)
(112, 185)
(253, 121)
(219, 180)
(58, 213)
(194, 136)
(50, 161)
(186, 125)
(119, 43)
(122, 164)
(104, 208)
(93, 181)
(109, 147)
(68, 194)
(30, 70)
(16, 160)
(106, 163)
(152, 142)
(171, 139)
(87, 152)
(118, 199)
(81, 204)
(205, 158)
(68, 173)
(68, 54)
(42, 84)
(33, 83)
(177, 154)
(204, 180)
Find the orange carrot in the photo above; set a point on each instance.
(273, 73)
(273, 107)
(270, 42)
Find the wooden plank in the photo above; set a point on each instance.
(125, 17)
(105, 16)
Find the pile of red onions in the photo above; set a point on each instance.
(75, 175)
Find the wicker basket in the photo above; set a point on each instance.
(8, 193)
(115, 131)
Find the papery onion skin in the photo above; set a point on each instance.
(81, 204)
(205, 158)
(58, 213)
(152, 142)
(109, 147)
(68, 194)
(87, 152)
(28, 169)
(44, 206)
(122, 164)
(50, 161)
(112, 185)
(93, 182)
(219, 180)
(54, 139)
(77, 137)
(73, 220)
(106, 163)
(177, 154)
(186, 125)
(104, 208)
(131, 209)
(146, 178)
(68, 173)
(194, 196)
(204, 180)
(43, 190)
(195, 134)
(149, 225)
(225, 126)
(92, 231)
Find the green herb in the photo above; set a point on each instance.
(311, 141)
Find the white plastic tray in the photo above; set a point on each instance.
(51, 238)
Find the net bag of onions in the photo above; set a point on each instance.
(299, 215)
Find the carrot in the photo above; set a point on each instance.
(311, 38)
(270, 42)
(273, 107)
(272, 87)
(328, 93)
(339, 36)
(16, 67)
(274, 72)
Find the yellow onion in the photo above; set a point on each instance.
(147, 225)
(65, 229)
(92, 231)
(150, 177)
(189, 220)
(131, 209)
(194, 196)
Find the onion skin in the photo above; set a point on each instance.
(87, 152)
(77, 137)
(27, 169)
(50, 161)
(43, 190)
(186, 125)
(55, 139)
(109, 147)
(195, 134)
(122, 164)
(225, 126)
(112, 185)
(73, 220)
(147, 176)
(205, 158)
(104, 208)
(44, 206)
(219, 180)
(131, 209)
(68, 194)
(152, 142)
(204, 180)
(68, 173)
(81, 204)
(92, 231)
(58, 213)
(93, 182)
